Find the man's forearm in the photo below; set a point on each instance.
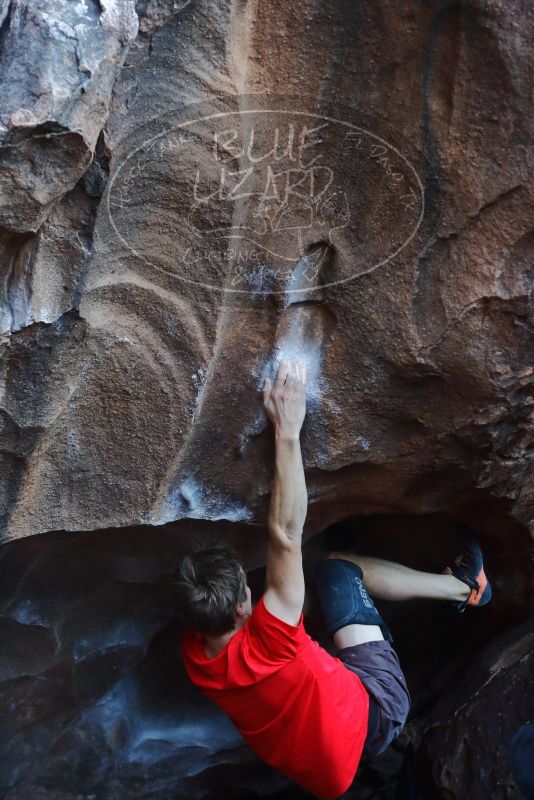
(289, 500)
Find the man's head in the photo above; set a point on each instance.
(212, 592)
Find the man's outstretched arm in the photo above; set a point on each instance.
(285, 404)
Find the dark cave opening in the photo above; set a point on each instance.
(93, 688)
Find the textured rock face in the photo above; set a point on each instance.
(60, 60)
(407, 196)
(188, 191)
(94, 702)
(93, 696)
(480, 718)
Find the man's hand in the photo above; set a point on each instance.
(285, 403)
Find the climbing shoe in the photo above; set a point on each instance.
(469, 568)
(343, 599)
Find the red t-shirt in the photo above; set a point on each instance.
(299, 708)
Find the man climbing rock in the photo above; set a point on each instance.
(309, 714)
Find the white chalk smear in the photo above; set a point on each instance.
(295, 346)
(192, 501)
(254, 428)
(199, 382)
(362, 442)
(262, 281)
(316, 384)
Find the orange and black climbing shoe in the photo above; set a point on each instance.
(469, 568)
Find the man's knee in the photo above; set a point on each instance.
(342, 597)
(328, 574)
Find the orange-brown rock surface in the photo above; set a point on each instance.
(190, 190)
(139, 317)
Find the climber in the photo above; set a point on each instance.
(309, 714)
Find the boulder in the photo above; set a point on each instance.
(94, 700)
(95, 703)
(468, 732)
(284, 179)
(189, 191)
(59, 60)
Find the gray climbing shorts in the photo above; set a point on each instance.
(377, 665)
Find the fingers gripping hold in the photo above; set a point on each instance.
(283, 374)
(285, 402)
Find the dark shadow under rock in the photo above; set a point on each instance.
(468, 732)
(95, 703)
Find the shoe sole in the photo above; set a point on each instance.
(482, 595)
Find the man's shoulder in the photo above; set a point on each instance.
(262, 613)
(274, 634)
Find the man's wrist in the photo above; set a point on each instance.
(286, 435)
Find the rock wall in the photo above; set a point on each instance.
(388, 247)
(469, 732)
(188, 191)
(93, 696)
(94, 702)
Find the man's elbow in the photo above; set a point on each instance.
(286, 536)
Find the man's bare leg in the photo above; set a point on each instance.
(352, 635)
(387, 580)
